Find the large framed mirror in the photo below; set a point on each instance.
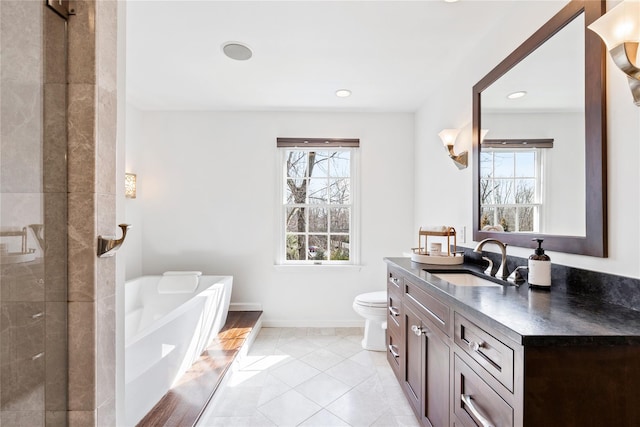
(539, 161)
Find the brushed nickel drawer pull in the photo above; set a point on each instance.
(466, 399)
(37, 356)
(37, 315)
(394, 310)
(394, 353)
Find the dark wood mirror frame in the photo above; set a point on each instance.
(595, 241)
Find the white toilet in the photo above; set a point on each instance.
(373, 307)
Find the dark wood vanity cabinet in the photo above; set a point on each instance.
(455, 370)
(436, 354)
(500, 383)
(425, 377)
(419, 348)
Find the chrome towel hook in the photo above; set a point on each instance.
(108, 245)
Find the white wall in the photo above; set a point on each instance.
(135, 154)
(444, 195)
(207, 187)
(121, 212)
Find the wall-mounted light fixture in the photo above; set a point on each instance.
(620, 30)
(130, 185)
(448, 137)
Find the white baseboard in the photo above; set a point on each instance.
(293, 323)
(275, 323)
(245, 306)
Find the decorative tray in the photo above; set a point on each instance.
(437, 259)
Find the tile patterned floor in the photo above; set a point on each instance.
(310, 377)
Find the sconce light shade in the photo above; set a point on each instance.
(620, 30)
(130, 185)
(483, 133)
(449, 137)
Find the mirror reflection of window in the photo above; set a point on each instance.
(510, 190)
(553, 78)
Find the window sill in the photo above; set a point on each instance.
(306, 268)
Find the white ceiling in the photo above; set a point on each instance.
(390, 54)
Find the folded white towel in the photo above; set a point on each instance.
(182, 273)
(178, 284)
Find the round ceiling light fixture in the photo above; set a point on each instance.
(237, 51)
(516, 95)
(343, 93)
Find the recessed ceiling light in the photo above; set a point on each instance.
(237, 51)
(343, 93)
(450, 1)
(516, 95)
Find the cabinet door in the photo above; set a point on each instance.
(436, 405)
(413, 355)
(426, 370)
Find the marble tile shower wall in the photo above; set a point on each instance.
(91, 189)
(57, 185)
(33, 198)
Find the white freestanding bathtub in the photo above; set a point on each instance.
(165, 333)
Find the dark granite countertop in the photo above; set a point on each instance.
(530, 316)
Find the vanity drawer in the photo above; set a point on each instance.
(475, 403)
(394, 350)
(393, 288)
(432, 308)
(394, 305)
(394, 301)
(491, 353)
(394, 280)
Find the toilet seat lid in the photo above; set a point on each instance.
(372, 299)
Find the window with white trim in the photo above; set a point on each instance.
(510, 189)
(318, 211)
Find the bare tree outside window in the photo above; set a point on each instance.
(317, 205)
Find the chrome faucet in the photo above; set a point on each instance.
(503, 270)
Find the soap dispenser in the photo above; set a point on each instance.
(539, 268)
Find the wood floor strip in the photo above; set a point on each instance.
(184, 403)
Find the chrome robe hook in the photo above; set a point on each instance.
(108, 245)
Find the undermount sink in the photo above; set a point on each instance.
(465, 279)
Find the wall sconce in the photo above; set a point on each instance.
(130, 185)
(620, 30)
(448, 137)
